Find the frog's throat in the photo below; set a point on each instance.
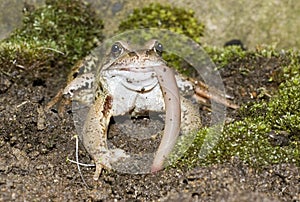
(168, 84)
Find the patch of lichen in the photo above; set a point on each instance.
(60, 32)
(177, 20)
(266, 132)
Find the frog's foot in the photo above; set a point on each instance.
(203, 93)
(59, 99)
(107, 158)
(80, 89)
(203, 96)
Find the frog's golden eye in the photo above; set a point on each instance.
(116, 49)
(159, 48)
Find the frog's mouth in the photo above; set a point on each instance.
(139, 79)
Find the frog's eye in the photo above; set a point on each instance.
(158, 48)
(116, 49)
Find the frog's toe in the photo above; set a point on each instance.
(102, 162)
(106, 159)
(97, 173)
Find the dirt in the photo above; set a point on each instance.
(34, 148)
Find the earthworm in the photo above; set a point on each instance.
(168, 84)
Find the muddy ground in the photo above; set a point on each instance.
(33, 164)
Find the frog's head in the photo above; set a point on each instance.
(126, 57)
(133, 67)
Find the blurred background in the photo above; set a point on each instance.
(272, 22)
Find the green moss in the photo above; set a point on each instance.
(177, 20)
(62, 31)
(267, 132)
(174, 19)
(224, 56)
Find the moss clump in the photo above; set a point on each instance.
(60, 31)
(165, 17)
(223, 56)
(177, 20)
(266, 132)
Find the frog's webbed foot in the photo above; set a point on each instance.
(106, 159)
(101, 163)
(104, 162)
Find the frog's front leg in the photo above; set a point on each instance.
(80, 89)
(95, 134)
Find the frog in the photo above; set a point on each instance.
(135, 81)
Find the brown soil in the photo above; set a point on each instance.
(33, 164)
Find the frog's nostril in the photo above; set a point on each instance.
(133, 54)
